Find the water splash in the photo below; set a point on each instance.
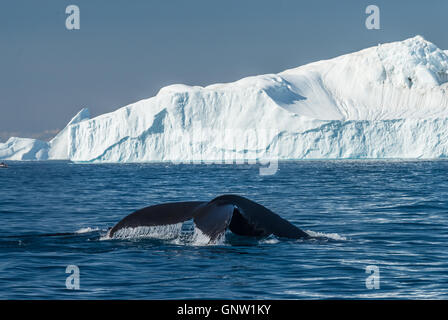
(178, 234)
(166, 232)
(199, 238)
(86, 230)
(330, 236)
(270, 240)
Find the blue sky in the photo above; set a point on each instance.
(127, 50)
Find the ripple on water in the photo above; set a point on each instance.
(389, 214)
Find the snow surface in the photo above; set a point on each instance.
(388, 101)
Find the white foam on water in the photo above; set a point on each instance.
(200, 239)
(87, 230)
(270, 240)
(178, 234)
(332, 236)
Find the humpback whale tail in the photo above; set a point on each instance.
(238, 214)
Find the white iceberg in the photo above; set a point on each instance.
(33, 149)
(388, 101)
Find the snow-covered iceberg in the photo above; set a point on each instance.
(388, 101)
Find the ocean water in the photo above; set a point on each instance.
(391, 216)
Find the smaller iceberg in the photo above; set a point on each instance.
(33, 149)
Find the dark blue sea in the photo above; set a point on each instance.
(381, 231)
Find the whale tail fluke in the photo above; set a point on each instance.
(158, 215)
(213, 219)
(238, 214)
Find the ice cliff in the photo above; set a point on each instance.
(388, 101)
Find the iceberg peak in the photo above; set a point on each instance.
(58, 146)
(83, 114)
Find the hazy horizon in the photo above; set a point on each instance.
(125, 52)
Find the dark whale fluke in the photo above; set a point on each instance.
(241, 215)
